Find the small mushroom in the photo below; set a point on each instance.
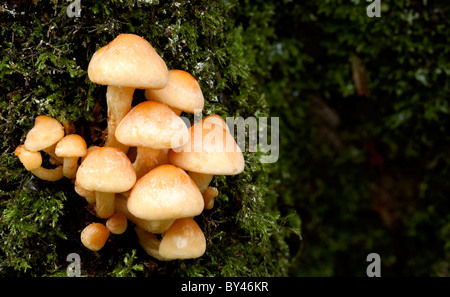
(151, 126)
(32, 161)
(94, 236)
(211, 150)
(106, 171)
(208, 197)
(182, 93)
(117, 223)
(71, 148)
(44, 135)
(183, 240)
(203, 180)
(127, 63)
(89, 195)
(166, 192)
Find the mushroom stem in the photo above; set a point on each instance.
(119, 101)
(153, 226)
(163, 157)
(70, 167)
(150, 243)
(146, 160)
(202, 180)
(51, 151)
(49, 174)
(104, 204)
(69, 127)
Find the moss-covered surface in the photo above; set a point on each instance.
(364, 104)
(45, 55)
(364, 118)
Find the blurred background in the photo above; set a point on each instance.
(364, 156)
(363, 104)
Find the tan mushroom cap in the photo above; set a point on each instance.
(152, 124)
(210, 150)
(216, 119)
(117, 223)
(106, 169)
(72, 145)
(129, 61)
(166, 192)
(45, 133)
(30, 160)
(94, 236)
(183, 240)
(182, 92)
(89, 150)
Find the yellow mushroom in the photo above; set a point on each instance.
(127, 63)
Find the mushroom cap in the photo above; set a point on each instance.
(210, 150)
(165, 192)
(89, 150)
(183, 240)
(46, 132)
(106, 169)
(94, 236)
(182, 92)
(216, 119)
(128, 61)
(72, 145)
(117, 223)
(30, 160)
(152, 124)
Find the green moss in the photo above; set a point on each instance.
(30, 229)
(128, 267)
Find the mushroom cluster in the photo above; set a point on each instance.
(153, 170)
